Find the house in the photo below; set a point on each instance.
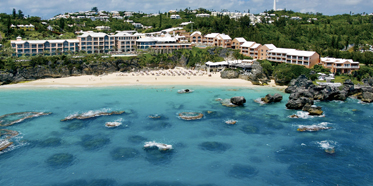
(202, 15)
(196, 37)
(128, 21)
(137, 25)
(50, 28)
(115, 13)
(292, 56)
(263, 51)
(185, 23)
(296, 18)
(128, 14)
(216, 14)
(237, 42)
(29, 27)
(175, 16)
(103, 28)
(344, 66)
(172, 11)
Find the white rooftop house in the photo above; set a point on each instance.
(296, 18)
(175, 16)
(202, 15)
(103, 28)
(128, 14)
(215, 13)
(185, 23)
(137, 25)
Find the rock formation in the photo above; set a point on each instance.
(272, 99)
(238, 100)
(303, 93)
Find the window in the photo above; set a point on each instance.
(13, 45)
(19, 46)
(40, 46)
(53, 44)
(71, 44)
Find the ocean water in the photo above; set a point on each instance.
(262, 148)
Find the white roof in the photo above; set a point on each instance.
(338, 60)
(93, 34)
(248, 44)
(212, 35)
(270, 46)
(301, 53)
(282, 50)
(223, 36)
(146, 39)
(43, 41)
(196, 32)
(240, 39)
(256, 45)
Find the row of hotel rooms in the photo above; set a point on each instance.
(129, 41)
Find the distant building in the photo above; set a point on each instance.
(344, 66)
(103, 28)
(128, 14)
(29, 27)
(202, 15)
(162, 44)
(196, 37)
(175, 16)
(137, 25)
(172, 11)
(264, 49)
(251, 49)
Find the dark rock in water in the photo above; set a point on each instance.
(229, 74)
(214, 146)
(93, 142)
(257, 75)
(239, 100)
(158, 126)
(298, 103)
(242, 171)
(84, 116)
(60, 160)
(301, 81)
(249, 129)
(75, 126)
(158, 157)
(272, 99)
(124, 153)
(50, 142)
(137, 139)
(366, 97)
(312, 109)
(13, 118)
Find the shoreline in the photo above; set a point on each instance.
(118, 79)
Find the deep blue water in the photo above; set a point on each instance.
(262, 148)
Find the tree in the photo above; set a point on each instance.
(14, 13)
(20, 14)
(94, 9)
(62, 23)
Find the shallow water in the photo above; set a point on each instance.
(262, 148)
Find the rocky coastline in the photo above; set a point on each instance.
(303, 93)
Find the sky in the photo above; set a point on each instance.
(49, 8)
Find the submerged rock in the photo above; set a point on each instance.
(183, 91)
(124, 153)
(93, 142)
(249, 129)
(75, 126)
(158, 157)
(242, 171)
(4, 144)
(137, 139)
(60, 160)
(214, 146)
(366, 97)
(50, 142)
(92, 115)
(8, 119)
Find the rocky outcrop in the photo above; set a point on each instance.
(238, 100)
(229, 74)
(303, 93)
(257, 76)
(272, 99)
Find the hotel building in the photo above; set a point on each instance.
(292, 56)
(344, 66)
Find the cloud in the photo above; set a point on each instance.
(49, 8)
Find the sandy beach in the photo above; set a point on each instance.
(162, 77)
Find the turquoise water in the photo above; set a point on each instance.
(262, 148)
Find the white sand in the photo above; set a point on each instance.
(123, 79)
